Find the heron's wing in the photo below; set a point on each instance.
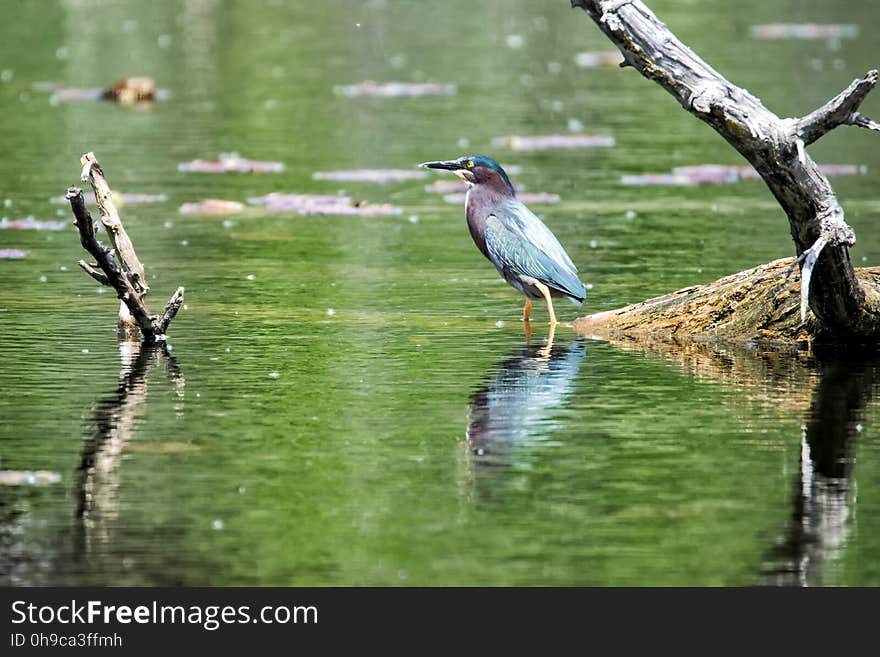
(517, 256)
(518, 219)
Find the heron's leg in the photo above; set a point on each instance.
(546, 292)
(527, 310)
(527, 327)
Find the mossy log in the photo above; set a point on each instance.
(757, 305)
(845, 306)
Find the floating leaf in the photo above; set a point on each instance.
(394, 89)
(536, 197)
(805, 31)
(127, 91)
(317, 204)
(29, 223)
(548, 142)
(119, 198)
(598, 59)
(163, 448)
(719, 174)
(370, 175)
(230, 163)
(446, 186)
(28, 477)
(212, 207)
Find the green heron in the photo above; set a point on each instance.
(522, 248)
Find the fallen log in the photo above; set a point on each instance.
(759, 305)
(845, 305)
(119, 268)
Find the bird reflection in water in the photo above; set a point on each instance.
(515, 407)
(822, 500)
(111, 428)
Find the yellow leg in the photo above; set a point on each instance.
(546, 292)
(527, 310)
(544, 352)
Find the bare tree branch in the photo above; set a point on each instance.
(171, 309)
(122, 245)
(776, 148)
(94, 273)
(863, 122)
(116, 278)
(127, 277)
(840, 110)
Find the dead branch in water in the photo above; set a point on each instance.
(844, 309)
(119, 268)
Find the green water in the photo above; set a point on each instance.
(406, 437)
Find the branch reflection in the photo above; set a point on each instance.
(112, 427)
(822, 501)
(834, 390)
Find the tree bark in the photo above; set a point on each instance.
(119, 268)
(843, 308)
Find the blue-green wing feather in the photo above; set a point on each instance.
(521, 221)
(515, 254)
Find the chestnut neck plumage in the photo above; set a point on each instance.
(483, 198)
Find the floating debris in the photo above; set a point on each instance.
(354, 209)
(547, 142)
(514, 41)
(212, 207)
(170, 447)
(370, 175)
(29, 223)
(118, 198)
(720, 174)
(601, 59)
(370, 88)
(319, 205)
(446, 187)
(279, 202)
(13, 254)
(131, 91)
(28, 477)
(230, 163)
(537, 197)
(126, 92)
(805, 31)
(710, 174)
(843, 169)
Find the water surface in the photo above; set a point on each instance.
(352, 400)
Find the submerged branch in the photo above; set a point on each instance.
(120, 267)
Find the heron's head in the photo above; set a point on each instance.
(474, 169)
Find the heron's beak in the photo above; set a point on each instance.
(449, 165)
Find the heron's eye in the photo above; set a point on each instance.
(470, 164)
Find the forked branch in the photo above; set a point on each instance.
(120, 267)
(776, 148)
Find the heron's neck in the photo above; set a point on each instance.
(480, 202)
